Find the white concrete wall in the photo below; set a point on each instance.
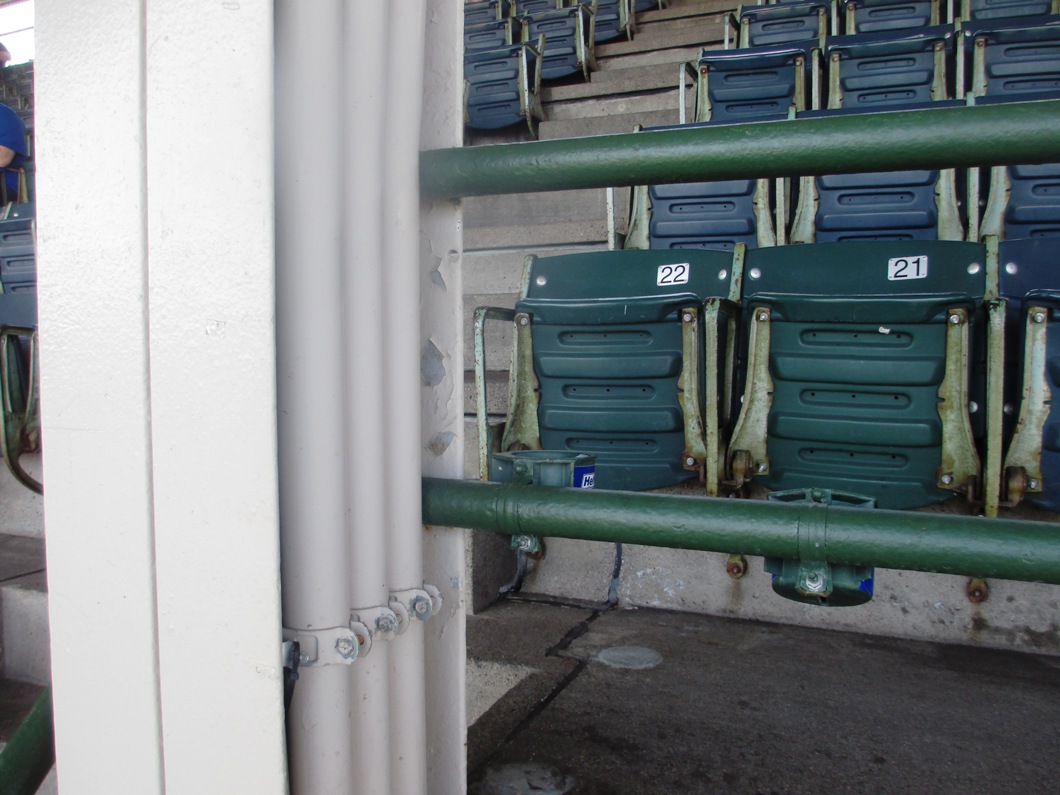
(155, 213)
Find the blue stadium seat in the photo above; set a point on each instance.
(486, 11)
(1015, 59)
(878, 16)
(808, 22)
(753, 83)
(502, 87)
(611, 19)
(491, 35)
(568, 42)
(893, 205)
(628, 350)
(857, 370)
(527, 7)
(873, 71)
(1002, 9)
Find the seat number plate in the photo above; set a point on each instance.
(673, 274)
(907, 268)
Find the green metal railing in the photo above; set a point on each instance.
(29, 755)
(947, 543)
(985, 135)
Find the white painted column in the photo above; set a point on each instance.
(96, 403)
(442, 411)
(158, 394)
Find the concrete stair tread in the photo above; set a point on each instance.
(20, 556)
(699, 31)
(647, 77)
(607, 125)
(675, 10)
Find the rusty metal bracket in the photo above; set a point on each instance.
(522, 431)
(20, 410)
(1023, 463)
(696, 454)
(959, 467)
(747, 449)
(486, 433)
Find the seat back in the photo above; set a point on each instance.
(491, 35)
(857, 369)
(1013, 59)
(788, 23)
(486, 11)
(1002, 9)
(616, 353)
(752, 84)
(568, 48)
(877, 16)
(878, 71)
(894, 205)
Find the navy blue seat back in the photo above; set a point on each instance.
(1015, 59)
(878, 16)
(493, 87)
(565, 40)
(714, 215)
(874, 71)
(788, 23)
(1002, 9)
(491, 35)
(752, 84)
(487, 11)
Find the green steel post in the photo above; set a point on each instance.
(972, 545)
(28, 756)
(984, 135)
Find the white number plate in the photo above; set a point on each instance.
(673, 274)
(907, 268)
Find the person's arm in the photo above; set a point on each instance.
(6, 156)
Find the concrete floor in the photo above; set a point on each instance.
(746, 707)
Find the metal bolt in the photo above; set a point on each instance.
(541, 281)
(974, 268)
(761, 468)
(303, 658)
(386, 623)
(690, 461)
(755, 273)
(763, 316)
(972, 407)
(946, 479)
(978, 590)
(523, 320)
(687, 317)
(723, 275)
(955, 319)
(421, 607)
(346, 647)
(1010, 267)
(1009, 409)
(1039, 317)
(1033, 484)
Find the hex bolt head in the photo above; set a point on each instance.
(303, 658)
(955, 319)
(386, 624)
(687, 317)
(763, 316)
(690, 461)
(421, 607)
(1039, 317)
(947, 479)
(346, 647)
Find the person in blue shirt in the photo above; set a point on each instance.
(13, 151)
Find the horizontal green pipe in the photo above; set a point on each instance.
(952, 544)
(956, 137)
(29, 755)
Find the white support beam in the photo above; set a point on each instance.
(158, 394)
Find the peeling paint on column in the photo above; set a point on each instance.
(440, 442)
(432, 365)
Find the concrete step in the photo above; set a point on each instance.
(634, 80)
(24, 610)
(629, 103)
(681, 10)
(606, 125)
(535, 219)
(22, 511)
(674, 56)
(691, 32)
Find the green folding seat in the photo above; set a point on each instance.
(625, 355)
(858, 368)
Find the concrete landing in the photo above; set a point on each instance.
(746, 707)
